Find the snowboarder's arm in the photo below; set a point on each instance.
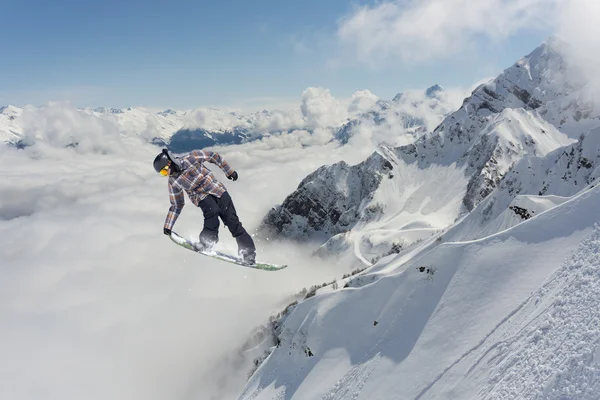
(177, 202)
(212, 157)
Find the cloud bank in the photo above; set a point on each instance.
(60, 125)
(93, 292)
(97, 302)
(578, 26)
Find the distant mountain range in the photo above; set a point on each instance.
(185, 130)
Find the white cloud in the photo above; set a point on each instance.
(212, 119)
(93, 292)
(277, 121)
(578, 26)
(414, 103)
(362, 101)
(419, 31)
(319, 108)
(60, 125)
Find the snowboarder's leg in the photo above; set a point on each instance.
(246, 247)
(210, 233)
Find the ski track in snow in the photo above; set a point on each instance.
(351, 384)
(471, 351)
(358, 253)
(543, 352)
(557, 354)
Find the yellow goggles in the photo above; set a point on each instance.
(165, 171)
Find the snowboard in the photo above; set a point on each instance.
(223, 256)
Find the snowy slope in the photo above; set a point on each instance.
(378, 194)
(427, 189)
(574, 113)
(502, 141)
(509, 315)
(504, 120)
(10, 130)
(526, 91)
(146, 123)
(509, 160)
(563, 172)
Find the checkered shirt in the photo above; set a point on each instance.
(196, 180)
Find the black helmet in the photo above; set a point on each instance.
(163, 159)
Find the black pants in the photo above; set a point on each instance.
(215, 208)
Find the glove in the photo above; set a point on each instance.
(167, 231)
(233, 176)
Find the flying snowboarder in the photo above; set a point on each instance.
(189, 174)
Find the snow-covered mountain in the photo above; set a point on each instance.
(481, 248)
(507, 118)
(181, 130)
(512, 315)
(147, 123)
(10, 129)
(329, 200)
(500, 123)
(407, 116)
(533, 185)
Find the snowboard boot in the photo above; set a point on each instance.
(204, 245)
(248, 257)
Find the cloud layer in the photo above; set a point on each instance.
(93, 292)
(578, 26)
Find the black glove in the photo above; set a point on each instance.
(233, 176)
(167, 231)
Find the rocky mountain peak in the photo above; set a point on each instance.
(433, 91)
(497, 125)
(329, 201)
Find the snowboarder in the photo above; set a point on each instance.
(189, 174)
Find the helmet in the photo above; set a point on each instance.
(164, 159)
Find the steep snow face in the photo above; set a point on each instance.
(563, 172)
(381, 194)
(329, 201)
(518, 308)
(575, 113)
(10, 130)
(500, 123)
(508, 137)
(479, 223)
(423, 187)
(514, 115)
(543, 81)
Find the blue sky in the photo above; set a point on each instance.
(184, 54)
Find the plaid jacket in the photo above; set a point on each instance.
(196, 180)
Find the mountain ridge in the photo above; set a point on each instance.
(501, 122)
